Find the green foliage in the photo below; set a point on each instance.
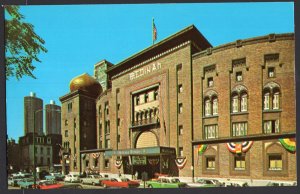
(22, 45)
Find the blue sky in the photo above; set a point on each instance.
(78, 36)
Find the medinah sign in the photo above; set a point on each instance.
(144, 71)
(186, 108)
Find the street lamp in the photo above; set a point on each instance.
(34, 163)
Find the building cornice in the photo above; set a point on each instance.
(240, 43)
(152, 59)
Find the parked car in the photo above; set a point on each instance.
(71, 186)
(93, 179)
(280, 183)
(120, 183)
(166, 182)
(55, 176)
(72, 178)
(26, 183)
(49, 184)
(205, 183)
(235, 184)
(13, 181)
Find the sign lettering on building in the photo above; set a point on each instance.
(139, 160)
(144, 71)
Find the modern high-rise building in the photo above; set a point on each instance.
(53, 118)
(33, 110)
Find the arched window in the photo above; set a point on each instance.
(276, 99)
(207, 107)
(244, 103)
(266, 100)
(215, 105)
(235, 103)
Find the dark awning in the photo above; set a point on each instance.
(141, 151)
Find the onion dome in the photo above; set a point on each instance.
(87, 83)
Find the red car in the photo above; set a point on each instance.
(49, 184)
(120, 183)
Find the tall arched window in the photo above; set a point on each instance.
(244, 103)
(215, 105)
(276, 100)
(267, 101)
(235, 103)
(207, 107)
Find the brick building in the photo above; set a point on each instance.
(185, 108)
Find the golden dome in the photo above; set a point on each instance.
(86, 83)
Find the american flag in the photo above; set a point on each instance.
(154, 32)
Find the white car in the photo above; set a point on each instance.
(72, 178)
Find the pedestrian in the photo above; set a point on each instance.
(136, 175)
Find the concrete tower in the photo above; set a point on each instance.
(53, 118)
(33, 108)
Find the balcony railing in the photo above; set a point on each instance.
(149, 121)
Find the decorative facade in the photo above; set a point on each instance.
(185, 108)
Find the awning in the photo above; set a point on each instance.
(141, 151)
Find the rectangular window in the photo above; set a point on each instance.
(70, 107)
(244, 104)
(180, 88)
(271, 72)
(106, 163)
(210, 163)
(66, 133)
(48, 161)
(118, 106)
(96, 162)
(42, 150)
(239, 129)
(180, 130)
(180, 151)
(210, 82)
(137, 100)
(156, 95)
(180, 108)
(210, 131)
(239, 163)
(215, 106)
(87, 163)
(271, 126)
(239, 76)
(42, 161)
(146, 97)
(275, 162)
(48, 151)
(179, 67)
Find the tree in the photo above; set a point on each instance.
(22, 45)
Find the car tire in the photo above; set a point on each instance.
(150, 186)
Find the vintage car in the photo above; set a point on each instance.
(120, 183)
(71, 186)
(13, 181)
(281, 183)
(26, 183)
(72, 178)
(166, 182)
(55, 176)
(205, 183)
(47, 184)
(93, 179)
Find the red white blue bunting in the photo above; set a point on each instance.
(95, 155)
(239, 147)
(180, 162)
(118, 163)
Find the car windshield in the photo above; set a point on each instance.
(175, 181)
(125, 180)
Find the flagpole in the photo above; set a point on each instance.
(152, 31)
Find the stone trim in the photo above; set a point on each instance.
(151, 59)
